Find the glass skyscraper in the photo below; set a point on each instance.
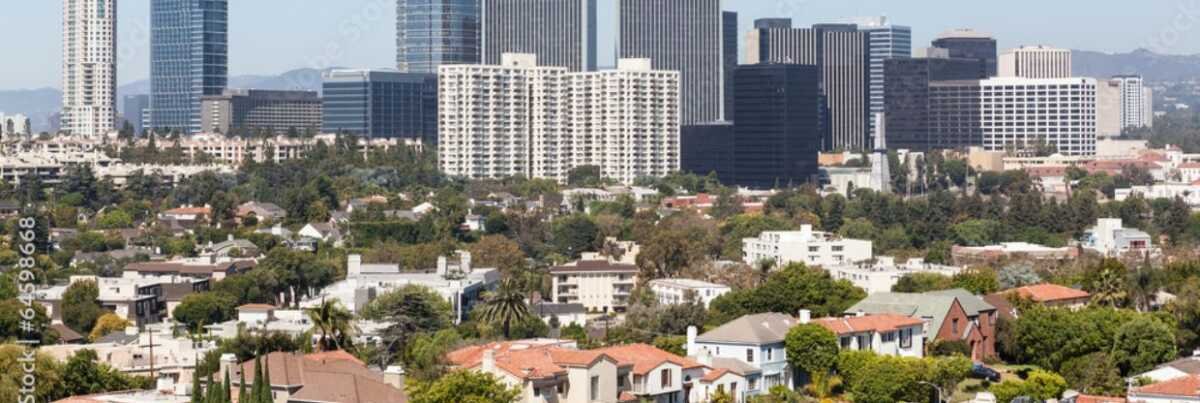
(430, 33)
(189, 58)
(381, 104)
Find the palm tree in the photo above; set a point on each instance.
(506, 306)
(333, 321)
(1143, 287)
(1109, 289)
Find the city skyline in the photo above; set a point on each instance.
(361, 33)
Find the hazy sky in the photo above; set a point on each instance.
(273, 36)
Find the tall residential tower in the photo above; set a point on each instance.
(189, 58)
(89, 68)
(430, 33)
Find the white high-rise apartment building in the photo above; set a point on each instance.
(1036, 62)
(1135, 111)
(89, 67)
(519, 118)
(1021, 112)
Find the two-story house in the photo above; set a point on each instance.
(884, 334)
(753, 340)
(600, 285)
(950, 315)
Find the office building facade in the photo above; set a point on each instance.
(683, 36)
(247, 112)
(886, 41)
(380, 104)
(89, 67)
(729, 52)
(971, 44)
(907, 103)
(134, 110)
(430, 33)
(560, 32)
(842, 55)
(1021, 113)
(707, 148)
(521, 118)
(1036, 62)
(777, 134)
(1109, 111)
(189, 59)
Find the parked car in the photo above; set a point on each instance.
(981, 371)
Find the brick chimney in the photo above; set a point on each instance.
(394, 376)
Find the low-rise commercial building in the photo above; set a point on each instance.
(680, 290)
(813, 248)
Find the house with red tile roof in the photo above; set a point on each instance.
(554, 371)
(1179, 390)
(1051, 295)
(884, 334)
(334, 376)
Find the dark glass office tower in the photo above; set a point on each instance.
(381, 104)
(969, 44)
(907, 103)
(561, 33)
(684, 36)
(430, 33)
(707, 148)
(842, 55)
(189, 58)
(777, 137)
(729, 45)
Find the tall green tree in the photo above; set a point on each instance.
(80, 306)
(333, 322)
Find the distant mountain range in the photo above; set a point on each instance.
(40, 104)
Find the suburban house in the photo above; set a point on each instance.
(563, 314)
(756, 341)
(139, 300)
(321, 231)
(260, 211)
(230, 248)
(195, 268)
(174, 357)
(884, 334)
(1110, 238)
(334, 376)
(1178, 390)
(950, 315)
(1051, 295)
(678, 290)
(459, 282)
(186, 217)
(813, 248)
(555, 371)
(1183, 367)
(600, 285)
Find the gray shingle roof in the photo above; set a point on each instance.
(931, 306)
(763, 328)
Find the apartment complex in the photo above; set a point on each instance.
(140, 300)
(430, 33)
(970, 44)
(14, 125)
(458, 281)
(237, 151)
(1036, 62)
(885, 272)
(688, 37)
(600, 285)
(189, 58)
(381, 104)
(813, 248)
(561, 33)
(521, 118)
(89, 67)
(1136, 101)
(248, 111)
(676, 291)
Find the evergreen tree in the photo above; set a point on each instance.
(242, 398)
(226, 390)
(196, 396)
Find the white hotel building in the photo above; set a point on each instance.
(813, 248)
(89, 68)
(520, 118)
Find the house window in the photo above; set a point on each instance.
(595, 390)
(954, 326)
(537, 391)
(770, 353)
(666, 378)
(562, 388)
(846, 342)
(814, 248)
(906, 338)
(889, 337)
(863, 343)
(752, 384)
(750, 355)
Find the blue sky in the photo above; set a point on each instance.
(273, 36)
